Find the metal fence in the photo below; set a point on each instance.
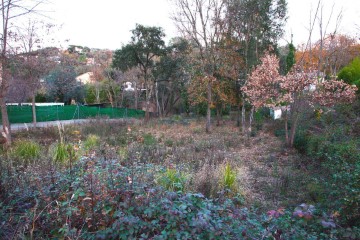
(23, 114)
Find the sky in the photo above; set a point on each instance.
(106, 24)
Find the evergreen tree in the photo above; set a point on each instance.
(146, 45)
(290, 58)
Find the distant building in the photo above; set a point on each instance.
(86, 78)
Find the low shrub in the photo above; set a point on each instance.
(343, 188)
(176, 118)
(149, 140)
(260, 116)
(301, 141)
(123, 154)
(169, 143)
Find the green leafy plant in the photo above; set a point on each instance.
(172, 180)
(229, 178)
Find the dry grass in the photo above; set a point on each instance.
(268, 174)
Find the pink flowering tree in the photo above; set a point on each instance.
(302, 90)
(263, 86)
(298, 90)
(334, 91)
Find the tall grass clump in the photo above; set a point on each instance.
(229, 178)
(26, 150)
(206, 180)
(91, 141)
(60, 153)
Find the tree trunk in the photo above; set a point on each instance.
(238, 116)
(208, 115)
(33, 109)
(293, 129)
(251, 118)
(147, 114)
(243, 119)
(218, 116)
(122, 99)
(157, 100)
(136, 97)
(286, 128)
(110, 97)
(97, 93)
(147, 98)
(163, 105)
(5, 122)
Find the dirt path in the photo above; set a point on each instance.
(26, 126)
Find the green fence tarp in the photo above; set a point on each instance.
(23, 114)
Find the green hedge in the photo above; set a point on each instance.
(23, 114)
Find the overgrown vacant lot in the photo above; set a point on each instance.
(266, 172)
(168, 179)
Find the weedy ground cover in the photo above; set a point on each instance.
(165, 180)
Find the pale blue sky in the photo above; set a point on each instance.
(107, 23)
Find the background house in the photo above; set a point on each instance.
(86, 78)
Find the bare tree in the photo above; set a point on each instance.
(35, 60)
(201, 21)
(338, 52)
(323, 32)
(10, 10)
(318, 17)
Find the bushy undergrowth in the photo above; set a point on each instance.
(332, 144)
(101, 199)
(135, 184)
(340, 160)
